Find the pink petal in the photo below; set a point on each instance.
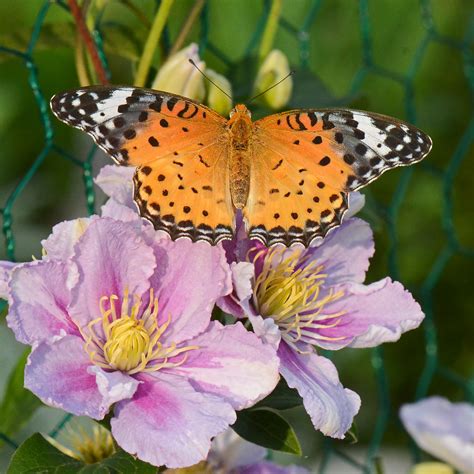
(170, 423)
(443, 429)
(374, 314)
(5, 272)
(60, 244)
(330, 406)
(197, 276)
(356, 203)
(120, 212)
(266, 467)
(111, 257)
(117, 183)
(38, 300)
(57, 372)
(113, 386)
(345, 253)
(266, 329)
(231, 451)
(232, 363)
(242, 277)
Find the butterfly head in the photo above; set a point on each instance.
(238, 112)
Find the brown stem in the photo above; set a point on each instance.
(88, 41)
(188, 24)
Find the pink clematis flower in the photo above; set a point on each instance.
(443, 429)
(301, 299)
(119, 322)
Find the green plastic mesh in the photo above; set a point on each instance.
(390, 216)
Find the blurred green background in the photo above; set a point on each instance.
(410, 59)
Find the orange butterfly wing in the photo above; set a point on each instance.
(177, 145)
(305, 162)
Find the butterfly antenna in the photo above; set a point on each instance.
(212, 82)
(271, 87)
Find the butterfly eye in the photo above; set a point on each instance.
(232, 112)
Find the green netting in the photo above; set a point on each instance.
(388, 214)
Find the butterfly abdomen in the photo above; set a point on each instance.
(240, 127)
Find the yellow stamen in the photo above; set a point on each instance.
(129, 341)
(289, 290)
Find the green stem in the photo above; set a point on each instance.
(152, 41)
(270, 29)
(81, 67)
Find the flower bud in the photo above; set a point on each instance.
(274, 68)
(216, 99)
(178, 76)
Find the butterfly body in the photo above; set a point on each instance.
(289, 173)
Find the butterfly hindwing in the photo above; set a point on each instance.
(287, 203)
(187, 196)
(180, 182)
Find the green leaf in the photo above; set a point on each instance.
(282, 398)
(118, 39)
(268, 429)
(36, 454)
(120, 462)
(18, 404)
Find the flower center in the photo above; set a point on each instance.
(289, 289)
(129, 339)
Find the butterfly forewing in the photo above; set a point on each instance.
(135, 126)
(181, 184)
(367, 143)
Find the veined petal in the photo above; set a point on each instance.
(111, 257)
(197, 276)
(232, 363)
(113, 386)
(373, 314)
(242, 276)
(356, 203)
(266, 330)
(443, 429)
(38, 300)
(230, 450)
(121, 212)
(5, 272)
(345, 252)
(330, 406)
(57, 372)
(170, 423)
(117, 183)
(60, 243)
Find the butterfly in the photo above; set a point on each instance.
(289, 174)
